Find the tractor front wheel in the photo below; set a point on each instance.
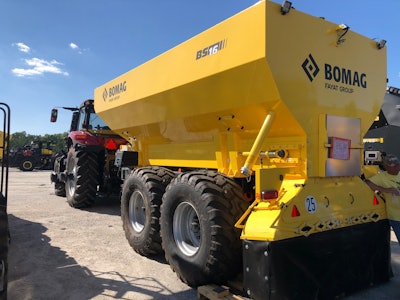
(59, 167)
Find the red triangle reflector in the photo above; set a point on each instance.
(295, 211)
(376, 202)
(111, 145)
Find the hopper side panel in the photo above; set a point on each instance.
(237, 41)
(317, 76)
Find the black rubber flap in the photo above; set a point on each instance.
(321, 266)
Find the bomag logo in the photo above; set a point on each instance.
(114, 92)
(337, 78)
(310, 67)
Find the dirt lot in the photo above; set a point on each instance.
(58, 252)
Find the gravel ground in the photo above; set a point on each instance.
(58, 252)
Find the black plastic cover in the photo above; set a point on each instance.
(126, 158)
(321, 266)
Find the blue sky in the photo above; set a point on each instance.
(56, 52)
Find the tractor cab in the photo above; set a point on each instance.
(87, 119)
(84, 119)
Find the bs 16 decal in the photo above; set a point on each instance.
(211, 50)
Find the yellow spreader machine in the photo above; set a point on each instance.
(249, 155)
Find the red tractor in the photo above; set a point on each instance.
(87, 166)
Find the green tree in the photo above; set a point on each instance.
(56, 142)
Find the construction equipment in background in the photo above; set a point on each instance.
(4, 231)
(383, 135)
(37, 155)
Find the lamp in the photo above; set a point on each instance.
(381, 44)
(286, 6)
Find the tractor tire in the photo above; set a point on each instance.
(140, 208)
(59, 189)
(198, 215)
(26, 164)
(82, 178)
(59, 167)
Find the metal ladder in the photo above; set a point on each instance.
(4, 231)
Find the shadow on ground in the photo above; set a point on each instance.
(38, 270)
(104, 204)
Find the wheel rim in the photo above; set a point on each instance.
(71, 181)
(27, 165)
(137, 211)
(186, 229)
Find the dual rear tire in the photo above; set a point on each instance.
(140, 208)
(195, 213)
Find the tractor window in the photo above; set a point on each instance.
(82, 120)
(90, 120)
(97, 123)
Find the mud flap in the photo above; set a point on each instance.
(321, 266)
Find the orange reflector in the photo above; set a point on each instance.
(81, 137)
(269, 195)
(295, 211)
(111, 145)
(376, 202)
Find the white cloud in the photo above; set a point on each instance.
(74, 46)
(22, 47)
(39, 66)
